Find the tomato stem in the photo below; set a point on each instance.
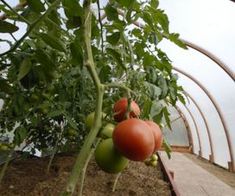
(9, 156)
(86, 150)
(116, 181)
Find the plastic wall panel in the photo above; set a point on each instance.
(220, 145)
(178, 136)
(192, 128)
(202, 131)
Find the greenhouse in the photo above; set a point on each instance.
(117, 97)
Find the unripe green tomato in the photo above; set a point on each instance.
(4, 147)
(90, 119)
(72, 132)
(108, 158)
(107, 131)
(154, 157)
(154, 163)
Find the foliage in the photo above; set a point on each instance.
(47, 86)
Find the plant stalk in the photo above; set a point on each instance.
(3, 171)
(87, 146)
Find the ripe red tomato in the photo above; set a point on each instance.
(120, 108)
(158, 137)
(134, 139)
(108, 158)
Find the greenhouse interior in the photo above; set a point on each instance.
(117, 97)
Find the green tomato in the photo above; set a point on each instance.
(90, 119)
(107, 131)
(108, 158)
(72, 132)
(153, 163)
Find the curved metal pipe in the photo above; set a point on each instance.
(232, 166)
(196, 127)
(206, 124)
(189, 131)
(212, 57)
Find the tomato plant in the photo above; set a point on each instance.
(121, 110)
(71, 61)
(134, 139)
(108, 158)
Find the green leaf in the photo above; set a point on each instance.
(72, 8)
(154, 3)
(167, 148)
(181, 98)
(76, 52)
(20, 135)
(53, 42)
(43, 58)
(146, 108)
(126, 3)
(6, 27)
(174, 37)
(71, 122)
(111, 12)
(116, 56)
(153, 90)
(163, 85)
(166, 116)
(156, 108)
(114, 38)
(25, 67)
(36, 5)
(55, 113)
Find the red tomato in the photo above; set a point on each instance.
(120, 108)
(134, 139)
(158, 137)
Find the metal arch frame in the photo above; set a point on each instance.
(211, 157)
(187, 126)
(210, 56)
(197, 130)
(231, 165)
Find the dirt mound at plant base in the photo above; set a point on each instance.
(27, 177)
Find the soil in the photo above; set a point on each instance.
(28, 177)
(219, 172)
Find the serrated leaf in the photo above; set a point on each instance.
(174, 37)
(153, 90)
(72, 8)
(126, 3)
(76, 52)
(24, 68)
(167, 118)
(156, 108)
(114, 38)
(154, 3)
(71, 122)
(53, 42)
(6, 27)
(167, 148)
(111, 12)
(55, 113)
(43, 58)
(116, 56)
(36, 5)
(181, 98)
(20, 135)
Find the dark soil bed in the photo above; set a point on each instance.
(27, 177)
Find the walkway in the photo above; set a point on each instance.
(192, 180)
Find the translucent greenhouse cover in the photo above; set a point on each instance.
(210, 25)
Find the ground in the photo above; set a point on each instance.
(28, 177)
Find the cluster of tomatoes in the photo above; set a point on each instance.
(131, 139)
